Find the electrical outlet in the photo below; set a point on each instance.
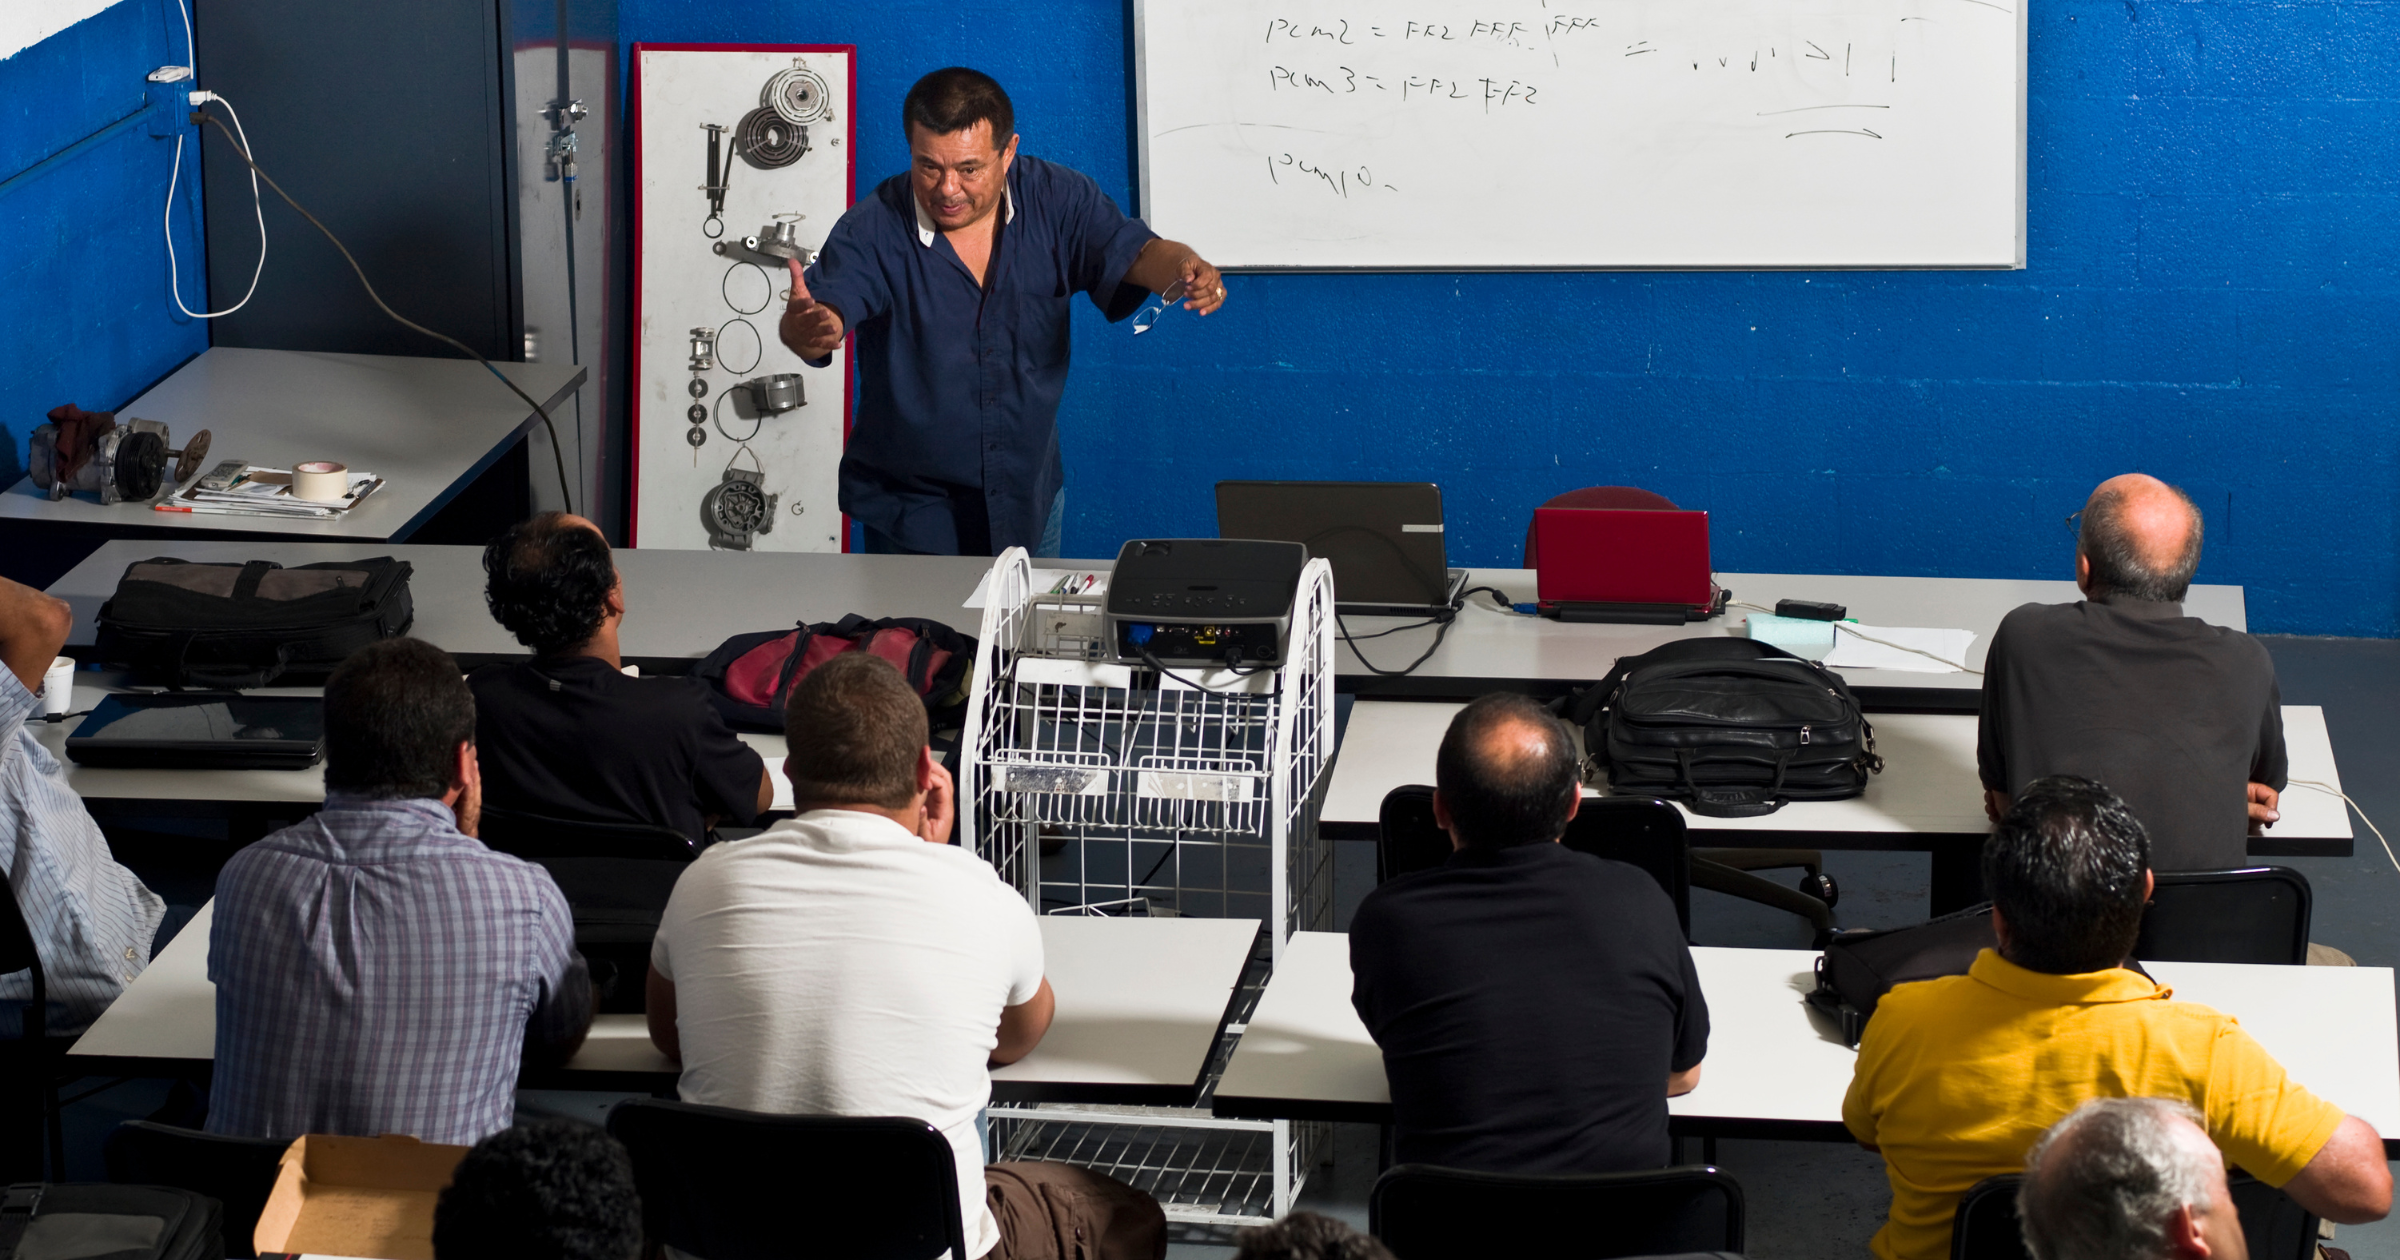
(170, 95)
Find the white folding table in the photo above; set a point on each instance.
(1141, 1003)
(1777, 1069)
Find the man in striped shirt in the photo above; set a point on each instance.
(379, 970)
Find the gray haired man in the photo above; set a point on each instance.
(2128, 1179)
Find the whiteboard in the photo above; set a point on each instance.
(1565, 134)
(681, 282)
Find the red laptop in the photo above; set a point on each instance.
(1625, 565)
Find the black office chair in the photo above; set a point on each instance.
(2257, 914)
(237, 1172)
(1985, 1225)
(29, 1064)
(738, 1185)
(2275, 1227)
(1631, 829)
(1427, 1213)
(616, 876)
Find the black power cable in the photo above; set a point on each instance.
(565, 489)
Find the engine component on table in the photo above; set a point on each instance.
(739, 506)
(704, 353)
(89, 451)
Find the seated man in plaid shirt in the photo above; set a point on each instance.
(379, 970)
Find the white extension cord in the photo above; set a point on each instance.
(2331, 790)
(167, 217)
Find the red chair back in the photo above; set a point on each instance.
(1601, 497)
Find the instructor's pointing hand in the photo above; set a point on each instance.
(812, 329)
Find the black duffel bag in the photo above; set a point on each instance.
(1734, 728)
(89, 1221)
(230, 626)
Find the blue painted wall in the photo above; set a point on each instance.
(2209, 298)
(84, 312)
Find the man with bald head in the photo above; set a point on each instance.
(1535, 1006)
(2180, 718)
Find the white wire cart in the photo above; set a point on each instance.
(1110, 789)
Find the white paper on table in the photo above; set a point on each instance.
(1852, 652)
(1044, 580)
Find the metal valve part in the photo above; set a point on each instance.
(126, 463)
(774, 395)
(776, 244)
(704, 350)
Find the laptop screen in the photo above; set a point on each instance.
(1622, 556)
(1383, 538)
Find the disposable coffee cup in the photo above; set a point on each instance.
(58, 686)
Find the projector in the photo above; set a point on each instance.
(1204, 601)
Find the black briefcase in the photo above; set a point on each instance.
(1734, 728)
(86, 1221)
(230, 626)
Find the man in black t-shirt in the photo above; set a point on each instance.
(567, 734)
(1535, 1006)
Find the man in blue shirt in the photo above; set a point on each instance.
(957, 277)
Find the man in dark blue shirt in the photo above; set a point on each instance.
(957, 278)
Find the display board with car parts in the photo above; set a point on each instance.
(742, 162)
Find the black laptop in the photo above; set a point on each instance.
(1383, 538)
(196, 730)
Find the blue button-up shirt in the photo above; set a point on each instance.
(955, 445)
(90, 918)
(378, 972)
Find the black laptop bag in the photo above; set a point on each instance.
(230, 626)
(1734, 728)
(1858, 967)
(86, 1221)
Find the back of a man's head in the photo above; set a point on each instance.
(1506, 772)
(853, 729)
(547, 580)
(1307, 1236)
(549, 1190)
(2105, 1183)
(2141, 537)
(395, 714)
(2064, 868)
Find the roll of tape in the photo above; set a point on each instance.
(320, 481)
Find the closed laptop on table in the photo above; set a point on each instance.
(1383, 538)
(198, 730)
(1624, 565)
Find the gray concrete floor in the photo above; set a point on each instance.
(1812, 1200)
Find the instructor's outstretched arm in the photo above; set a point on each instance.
(1164, 264)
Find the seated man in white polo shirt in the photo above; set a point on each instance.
(851, 961)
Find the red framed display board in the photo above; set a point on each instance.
(742, 158)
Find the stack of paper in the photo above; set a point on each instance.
(268, 492)
(1911, 648)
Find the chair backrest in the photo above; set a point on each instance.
(1427, 1213)
(1985, 1225)
(2253, 915)
(1640, 831)
(18, 953)
(2274, 1225)
(738, 1185)
(1599, 497)
(540, 836)
(235, 1171)
(1634, 829)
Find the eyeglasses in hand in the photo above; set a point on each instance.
(1159, 304)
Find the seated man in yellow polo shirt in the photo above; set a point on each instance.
(1958, 1077)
